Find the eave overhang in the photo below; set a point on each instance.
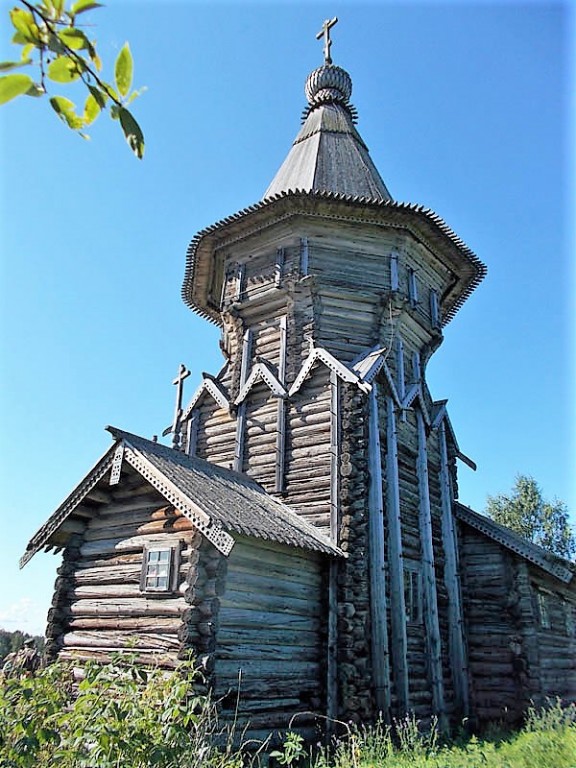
(421, 222)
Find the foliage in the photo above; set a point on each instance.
(526, 512)
(548, 740)
(49, 35)
(128, 716)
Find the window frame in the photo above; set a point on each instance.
(173, 566)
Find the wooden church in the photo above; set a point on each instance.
(303, 536)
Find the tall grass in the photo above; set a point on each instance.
(123, 715)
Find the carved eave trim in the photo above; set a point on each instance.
(42, 536)
(211, 529)
(319, 354)
(261, 372)
(369, 364)
(526, 549)
(420, 222)
(439, 415)
(209, 386)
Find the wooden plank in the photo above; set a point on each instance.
(457, 649)
(397, 603)
(377, 559)
(431, 619)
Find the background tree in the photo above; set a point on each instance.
(50, 38)
(526, 512)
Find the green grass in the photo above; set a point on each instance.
(125, 716)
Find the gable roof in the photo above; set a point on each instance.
(218, 501)
(556, 566)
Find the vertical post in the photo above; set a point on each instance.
(332, 662)
(380, 650)
(192, 436)
(397, 602)
(303, 256)
(458, 659)
(281, 412)
(241, 415)
(431, 621)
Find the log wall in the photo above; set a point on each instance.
(271, 637)
(98, 607)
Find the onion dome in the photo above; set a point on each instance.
(329, 155)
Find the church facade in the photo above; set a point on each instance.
(303, 537)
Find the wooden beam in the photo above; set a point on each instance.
(458, 658)
(377, 559)
(431, 620)
(397, 603)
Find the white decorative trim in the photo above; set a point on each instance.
(116, 470)
(369, 364)
(211, 387)
(212, 530)
(260, 372)
(319, 354)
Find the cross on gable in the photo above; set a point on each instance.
(325, 33)
(175, 429)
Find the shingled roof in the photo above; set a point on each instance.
(217, 500)
(328, 155)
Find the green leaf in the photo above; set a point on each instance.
(99, 96)
(64, 108)
(23, 22)
(84, 5)
(26, 51)
(35, 90)
(91, 110)
(74, 38)
(123, 70)
(132, 131)
(14, 85)
(63, 70)
(6, 66)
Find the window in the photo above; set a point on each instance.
(160, 568)
(394, 285)
(412, 593)
(543, 612)
(434, 309)
(412, 287)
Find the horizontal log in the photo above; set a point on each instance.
(107, 640)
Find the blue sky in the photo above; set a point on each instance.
(465, 108)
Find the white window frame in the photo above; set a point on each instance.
(171, 564)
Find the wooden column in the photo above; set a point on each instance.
(396, 565)
(192, 436)
(379, 617)
(431, 621)
(332, 661)
(241, 415)
(458, 658)
(281, 412)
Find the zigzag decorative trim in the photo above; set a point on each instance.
(211, 387)
(261, 372)
(342, 371)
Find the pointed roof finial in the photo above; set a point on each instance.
(325, 33)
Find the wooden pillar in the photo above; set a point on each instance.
(457, 649)
(192, 435)
(332, 661)
(281, 412)
(241, 415)
(379, 617)
(431, 621)
(397, 602)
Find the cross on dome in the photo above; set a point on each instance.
(325, 33)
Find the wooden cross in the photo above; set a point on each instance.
(325, 33)
(183, 374)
